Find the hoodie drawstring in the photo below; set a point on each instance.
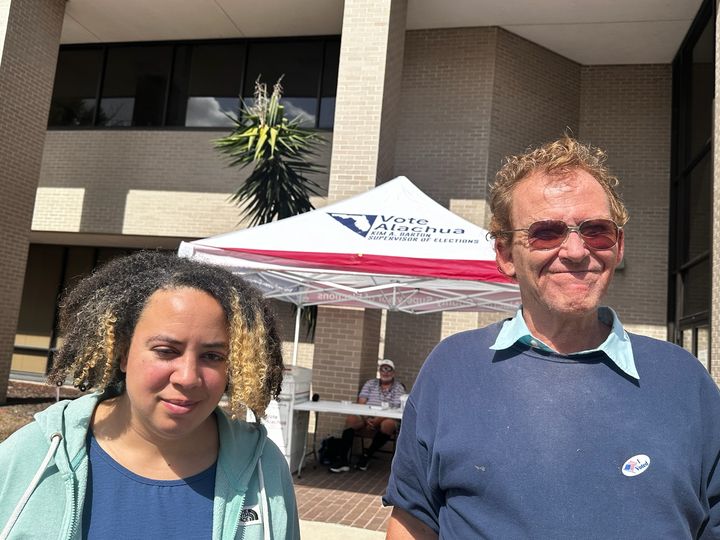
(263, 503)
(54, 444)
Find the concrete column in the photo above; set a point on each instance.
(715, 260)
(363, 154)
(368, 94)
(29, 39)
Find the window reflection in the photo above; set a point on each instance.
(73, 111)
(327, 113)
(116, 112)
(301, 108)
(294, 108)
(206, 85)
(211, 111)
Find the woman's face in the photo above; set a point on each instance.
(176, 365)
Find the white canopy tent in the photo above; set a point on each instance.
(392, 247)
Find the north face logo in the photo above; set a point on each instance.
(248, 515)
(357, 223)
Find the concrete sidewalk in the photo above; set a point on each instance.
(311, 530)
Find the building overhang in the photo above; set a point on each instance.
(590, 32)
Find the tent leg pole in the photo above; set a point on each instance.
(297, 335)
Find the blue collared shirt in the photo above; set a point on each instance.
(617, 345)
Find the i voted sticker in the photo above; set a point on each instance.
(636, 465)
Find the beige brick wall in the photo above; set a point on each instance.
(444, 120)
(408, 341)
(339, 338)
(372, 40)
(536, 97)
(452, 323)
(163, 183)
(30, 32)
(626, 110)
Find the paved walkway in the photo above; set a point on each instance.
(349, 499)
(312, 530)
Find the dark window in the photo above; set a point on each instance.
(299, 64)
(194, 84)
(76, 85)
(329, 85)
(702, 73)
(699, 219)
(696, 288)
(135, 86)
(50, 270)
(206, 85)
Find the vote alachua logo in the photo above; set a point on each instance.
(402, 228)
(636, 465)
(357, 223)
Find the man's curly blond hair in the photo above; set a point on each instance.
(98, 318)
(557, 158)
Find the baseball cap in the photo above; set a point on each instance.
(386, 362)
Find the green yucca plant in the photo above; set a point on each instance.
(281, 153)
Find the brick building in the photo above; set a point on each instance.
(108, 111)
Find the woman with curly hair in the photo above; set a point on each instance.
(150, 453)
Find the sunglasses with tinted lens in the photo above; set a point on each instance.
(551, 233)
(385, 368)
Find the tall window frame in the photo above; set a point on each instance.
(690, 234)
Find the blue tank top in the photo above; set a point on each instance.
(122, 504)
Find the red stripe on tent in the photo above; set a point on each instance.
(381, 264)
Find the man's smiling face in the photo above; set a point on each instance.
(571, 279)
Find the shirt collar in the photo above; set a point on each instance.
(617, 346)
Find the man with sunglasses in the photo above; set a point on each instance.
(383, 390)
(557, 423)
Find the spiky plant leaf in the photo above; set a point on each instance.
(281, 154)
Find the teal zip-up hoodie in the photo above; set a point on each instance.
(252, 480)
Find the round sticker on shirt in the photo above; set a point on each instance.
(636, 465)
